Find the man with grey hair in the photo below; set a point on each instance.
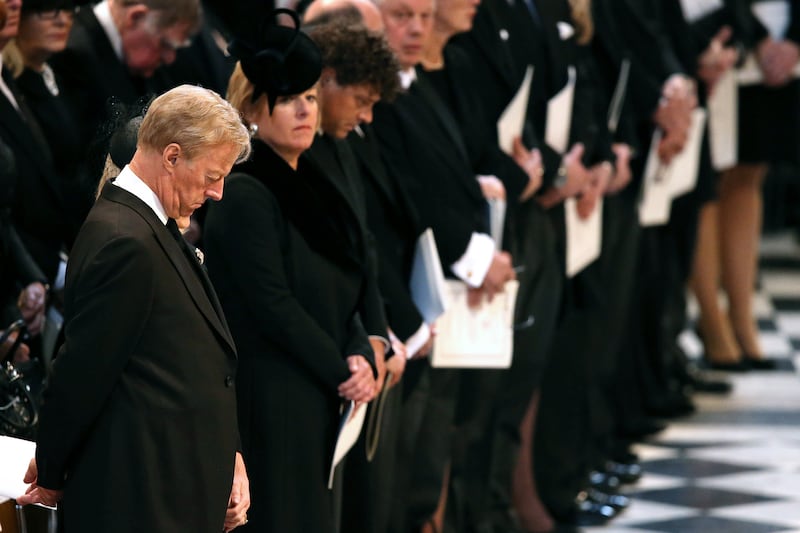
(138, 431)
(114, 52)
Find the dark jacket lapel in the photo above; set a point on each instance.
(489, 34)
(202, 298)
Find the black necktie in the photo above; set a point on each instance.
(191, 255)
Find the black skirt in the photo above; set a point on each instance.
(769, 124)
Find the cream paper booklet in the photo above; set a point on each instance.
(512, 121)
(15, 455)
(350, 424)
(656, 201)
(481, 337)
(584, 236)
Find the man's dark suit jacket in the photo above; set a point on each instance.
(335, 161)
(393, 221)
(139, 421)
(421, 142)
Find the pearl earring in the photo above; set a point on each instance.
(253, 129)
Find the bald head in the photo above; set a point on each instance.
(369, 13)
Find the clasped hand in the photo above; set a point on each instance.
(360, 386)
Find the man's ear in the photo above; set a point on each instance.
(327, 76)
(170, 156)
(134, 16)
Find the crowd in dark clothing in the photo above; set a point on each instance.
(544, 445)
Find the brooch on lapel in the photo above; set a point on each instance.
(201, 257)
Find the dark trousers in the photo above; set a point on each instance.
(492, 403)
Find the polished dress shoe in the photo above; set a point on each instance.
(625, 472)
(641, 428)
(754, 362)
(700, 383)
(604, 482)
(674, 405)
(585, 512)
(619, 502)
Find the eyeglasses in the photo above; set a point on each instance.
(53, 14)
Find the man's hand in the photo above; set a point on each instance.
(531, 162)
(577, 178)
(31, 305)
(35, 493)
(379, 349)
(716, 59)
(622, 171)
(396, 365)
(674, 115)
(500, 271)
(777, 60)
(600, 178)
(360, 387)
(239, 501)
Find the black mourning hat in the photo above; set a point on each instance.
(122, 145)
(279, 61)
(33, 6)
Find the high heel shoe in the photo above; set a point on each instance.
(738, 365)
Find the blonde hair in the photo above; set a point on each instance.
(110, 171)
(194, 118)
(240, 95)
(582, 17)
(12, 58)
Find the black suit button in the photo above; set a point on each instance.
(229, 381)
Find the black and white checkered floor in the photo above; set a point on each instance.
(734, 466)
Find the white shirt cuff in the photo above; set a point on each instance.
(416, 341)
(474, 264)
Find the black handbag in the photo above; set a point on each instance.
(19, 411)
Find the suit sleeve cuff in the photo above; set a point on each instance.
(387, 346)
(474, 264)
(416, 341)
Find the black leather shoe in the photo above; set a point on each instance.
(587, 513)
(711, 386)
(641, 428)
(604, 482)
(617, 501)
(759, 363)
(626, 472)
(673, 406)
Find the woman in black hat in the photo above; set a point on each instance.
(283, 253)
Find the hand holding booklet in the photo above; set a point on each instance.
(481, 337)
(15, 455)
